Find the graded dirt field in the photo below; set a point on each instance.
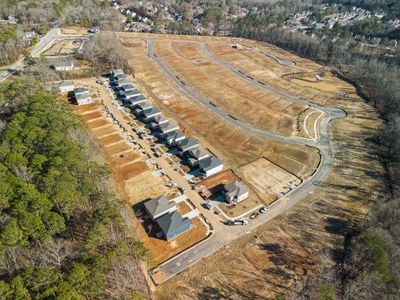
(85, 109)
(276, 257)
(111, 139)
(133, 169)
(63, 48)
(234, 146)
(326, 83)
(101, 123)
(220, 86)
(265, 69)
(145, 186)
(103, 132)
(183, 208)
(91, 116)
(268, 179)
(117, 149)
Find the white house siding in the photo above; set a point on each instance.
(214, 171)
(66, 89)
(84, 101)
(243, 197)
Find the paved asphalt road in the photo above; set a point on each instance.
(44, 43)
(221, 238)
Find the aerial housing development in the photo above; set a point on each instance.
(199, 149)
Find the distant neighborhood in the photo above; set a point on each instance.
(308, 21)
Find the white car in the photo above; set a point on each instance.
(264, 209)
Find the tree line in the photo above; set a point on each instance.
(62, 233)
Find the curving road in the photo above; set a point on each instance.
(221, 238)
(44, 43)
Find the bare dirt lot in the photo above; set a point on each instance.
(145, 186)
(111, 139)
(130, 170)
(243, 208)
(268, 179)
(162, 249)
(63, 48)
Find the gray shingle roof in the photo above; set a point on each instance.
(235, 188)
(160, 118)
(121, 76)
(80, 90)
(130, 93)
(158, 205)
(198, 152)
(172, 222)
(151, 112)
(187, 143)
(128, 87)
(137, 98)
(124, 81)
(144, 105)
(168, 126)
(209, 163)
(117, 71)
(174, 134)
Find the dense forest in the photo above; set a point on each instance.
(62, 233)
(370, 267)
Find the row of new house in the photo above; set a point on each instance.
(81, 95)
(167, 130)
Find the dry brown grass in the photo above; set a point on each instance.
(78, 30)
(268, 179)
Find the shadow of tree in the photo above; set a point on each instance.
(211, 293)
